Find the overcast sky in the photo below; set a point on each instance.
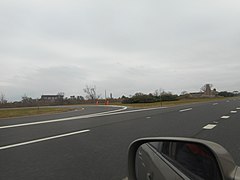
(123, 46)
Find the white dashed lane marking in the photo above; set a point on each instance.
(183, 110)
(225, 117)
(210, 126)
(214, 104)
(233, 112)
(43, 139)
(238, 108)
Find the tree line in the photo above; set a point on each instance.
(151, 97)
(92, 97)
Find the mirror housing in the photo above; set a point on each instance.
(226, 165)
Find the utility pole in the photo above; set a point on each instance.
(161, 99)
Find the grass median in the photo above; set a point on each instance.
(8, 113)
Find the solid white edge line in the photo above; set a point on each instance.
(43, 139)
(77, 117)
(210, 126)
(183, 110)
(117, 110)
(62, 119)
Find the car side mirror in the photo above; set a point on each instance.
(179, 158)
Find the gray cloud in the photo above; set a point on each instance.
(122, 46)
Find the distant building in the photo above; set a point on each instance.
(52, 97)
(196, 94)
(208, 91)
(236, 93)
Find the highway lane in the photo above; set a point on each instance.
(15, 135)
(78, 111)
(226, 133)
(101, 153)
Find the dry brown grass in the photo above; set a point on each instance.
(8, 113)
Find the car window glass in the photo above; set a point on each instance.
(193, 159)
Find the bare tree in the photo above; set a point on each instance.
(3, 99)
(91, 92)
(158, 92)
(60, 94)
(183, 93)
(26, 99)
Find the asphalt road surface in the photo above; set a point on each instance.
(92, 142)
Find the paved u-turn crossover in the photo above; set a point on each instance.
(92, 143)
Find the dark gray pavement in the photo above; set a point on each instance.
(101, 153)
(77, 111)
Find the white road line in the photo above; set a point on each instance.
(136, 110)
(214, 104)
(233, 112)
(59, 120)
(225, 117)
(238, 108)
(210, 126)
(148, 117)
(43, 139)
(48, 121)
(117, 110)
(183, 110)
(78, 117)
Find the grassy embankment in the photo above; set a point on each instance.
(173, 103)
(8, 113)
